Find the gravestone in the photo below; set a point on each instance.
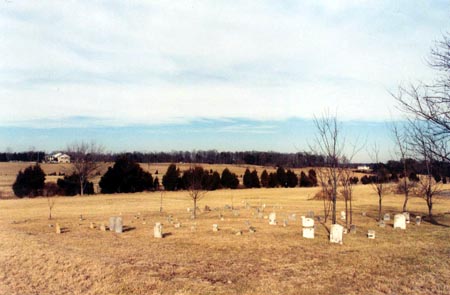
(215, 227)
(381, 223)
(251, 229)
(336, 233)
(58, 228)
(387, 217)
(310, 214)
(177, 225)
(188, 210)
(207, 208)
(260, 215)
(371, 234)
(81, 218)
(343, 215)
(238, 233)
(157, 230)
(418, 220)
(399, 221)
(118, 225)
(273, 218)
(364, 213)
(353, 229)
(91, 225)
(308, 227)
(103, 227)
(407, 216)
(236, 213)
(292, 217)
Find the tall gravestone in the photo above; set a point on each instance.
(336, 233)
(343, 215)
(112, 223)
(157, 230)
(399, 221)
(118, 225)
(273, 218)
(308, 227)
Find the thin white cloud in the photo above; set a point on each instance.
(143, 63)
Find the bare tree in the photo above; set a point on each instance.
(428, 187)
(326, 191)
(401, 140)
(195, 187)
(162, 193)
(329, 143)
(84, 162)
(347, 182)
(51, 203)
(380, 183)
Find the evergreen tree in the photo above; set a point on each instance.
(126, 176)
(273, 180)
(281, 177)
(291, 179)
(229, 180)
(305, 181)
(247, 179)
(312, 176)
(156, 182)
(30, 182)
(255, 179)
(170, 179)
(264, 179)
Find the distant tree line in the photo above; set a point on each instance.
(30, 156)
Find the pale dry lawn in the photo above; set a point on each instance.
(274, 260)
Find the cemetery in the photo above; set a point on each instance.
(268, 241)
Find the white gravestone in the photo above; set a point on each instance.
(418, 220)
(399, 221)
(371, 234)
(308, 227)
(112, 223)
(336, 233)
(387, 217)
(407, 217)
(215, 227)
(157, 230)
(118, 228)
(273, 218)
(343, 215)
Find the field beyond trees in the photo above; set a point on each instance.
(193, 259)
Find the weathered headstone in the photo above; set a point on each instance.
(215, 227)
(292, 217)
(310, 214)
(399, 221)
(58, 228)
(343, 215)
(118, 225)
(353, 229)
(81, 217)
(371, 234)
(157, 230)
(238, 233)
(91, 225)
(387, 217)
(251, 229)
(381, 223)
(418, 220)
(308, 227)
(177, 225)
(273, 218)
(336, 233)
(407, 216)
(364, 213)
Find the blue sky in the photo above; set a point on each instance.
(225, 75)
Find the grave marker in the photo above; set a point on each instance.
(273, 218)
(118, 225)
(215, 227)
(343, 215)
(418, 220)
(58, 228)
(308, 227)
(336, 233)
(407, 216)
(399, 221)
(387, 217)
(157, 230)
(371, 234)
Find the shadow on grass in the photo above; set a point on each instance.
(128, 228)
(165, 235)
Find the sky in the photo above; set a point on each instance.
(224, 75)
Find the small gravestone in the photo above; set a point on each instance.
(92, 225)
(407, 216)
(158, 230)
(318, 219)
(343, 215)
(310, 214)
(260, 215)
(238, 233)
(336, 233)
(207, 208)
(177, 225)
(381, 223)
(353, 229)
(103, 227)
(292, 217)
(215, 227)
(236, 213)
(364, 213)
(118, 228)
(273, 218)
(112, 223)
(251, 229)
(399, 221)
(81, 218)
(371, 234)
(58, 228)
(308, 227)
(387, 217)
(418, 220)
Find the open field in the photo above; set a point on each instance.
(273, 260)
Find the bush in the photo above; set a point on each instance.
(170, 179)
(30, 182)
(126, 176)
(70, 185)
(229, 180)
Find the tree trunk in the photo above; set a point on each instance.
(379, 207)
(351, 211)
(346, 210)
(333, 217)
(195, 208)
(406, 194)
(81, 186)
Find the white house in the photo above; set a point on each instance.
(364, 168)
(59, 158)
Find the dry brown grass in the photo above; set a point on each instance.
(274, 260)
